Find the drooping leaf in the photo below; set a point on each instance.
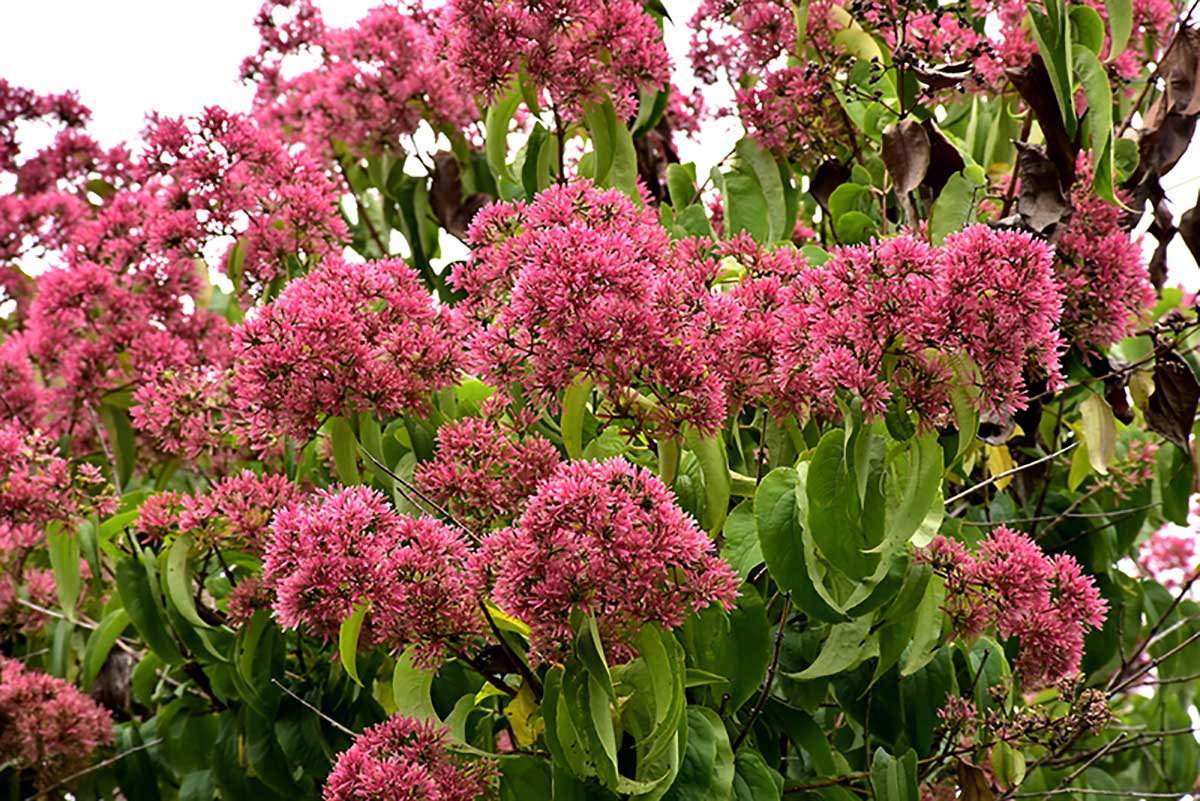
(348, 639)
(894, 778)
(906, 153)
(1171, 408)
(1099, 432)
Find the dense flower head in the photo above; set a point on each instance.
(233, 513)
(1102, 271)
(998, 302)
(794, 113)
(1011, 585)
(481, 473)
(34, 586)
(227, 176)
(47, 725)
(1170, 558)
(406, 759)
(376, 81)
(349, 546)
(843, 319)
(594, 289)
(38, 486)
(188, 413)
(606, 539)
(347, 337)
(575, 51)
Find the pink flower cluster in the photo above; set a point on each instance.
(606, 539)
(375, 82)
(38, 487)
(347, 337)
(234, 179)
(349, 546)
(1102, 271)
(405, 759)
(46, 725)
(794, 113)
(1170, 558)
(575, 51)
(36, 586)
(481, 474)
(581, 282)
(189, 414)
(1046, 602)
(891, 316)
(790, 107)
(234, 513)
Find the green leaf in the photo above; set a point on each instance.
(955, 207)
(1098, 91)
(847, 645)
(499, 116)
(1120, 25)
(144, 606)
(745, 203)
(345, 450)
(754, 779)
(854, 228)
(63, 546)
(590, 651)
(121, 440)
(681, 185)
(1008, 764)
(895, 778)
(1051, 31)
(101, 642)
(914, 486)
(781, 537)
(1087, 28)
(767, 173)
(714, 466)
(411, 687)
(928, 631)
(834, 513)
(574, 408)
(707, 770)
(1099, 428)
(741, 547)
(348, 639)
(177, 580)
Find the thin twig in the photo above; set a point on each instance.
(417, 495)
(761, 703)
(319, 713)
(1008, 473)
(101, 765)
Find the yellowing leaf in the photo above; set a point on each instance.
(1141, 387)
(999, 460)
(1099, 429)
(518, 712)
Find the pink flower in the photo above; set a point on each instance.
(405, 759)
(998, 302)
(1170, 559)
(1047, 603)
(1102, 271)
(609, 540)
(481, 473)
(231, 178)
(593, 289)
(349, 546)
(375, 81)
(46, 725)
(575, 51)
(38, 487)
(347, 337)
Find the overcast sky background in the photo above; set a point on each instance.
(128, 57)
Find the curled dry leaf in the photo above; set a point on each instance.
(1043, 203)
(906, 153)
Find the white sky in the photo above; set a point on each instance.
(128, 57)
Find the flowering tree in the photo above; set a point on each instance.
(846, 470)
